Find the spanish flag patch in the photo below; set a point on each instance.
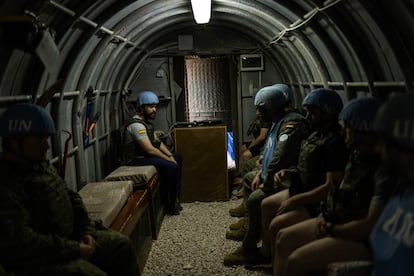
(289, 126)
(142, 131)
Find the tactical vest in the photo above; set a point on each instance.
(310, 172)
(131, 150)
(47, 200)
(352, 198)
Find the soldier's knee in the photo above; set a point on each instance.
(254, 200)
(282, 240)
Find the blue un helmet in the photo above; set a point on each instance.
(286, 91)
(395, 120)
(326, 99)
(360, 113)
(24, 119)
(147, 97)
(270, 98)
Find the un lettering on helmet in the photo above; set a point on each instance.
(403, 129)
(26, 119)
(395, 120)
(20, 125)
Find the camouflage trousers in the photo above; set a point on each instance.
(253, 199)
(114, 256)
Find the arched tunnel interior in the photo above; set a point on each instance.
(86, 61)
(71, 53)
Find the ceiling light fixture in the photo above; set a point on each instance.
(201, 10)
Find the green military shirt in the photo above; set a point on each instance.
(41, 220)
(351, 199)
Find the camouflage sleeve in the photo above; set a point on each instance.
(265, 124)
(290, 136)
(82, 222)
(20, 244)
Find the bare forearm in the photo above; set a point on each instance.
(358, 229)
(313, 196)
(165, 150)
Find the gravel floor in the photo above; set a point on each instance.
(194, 242)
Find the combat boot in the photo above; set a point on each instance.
(239, 224)
(257, 261)
(239, 211)
(237, 235)
(238, 257)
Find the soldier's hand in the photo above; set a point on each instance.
(255, 183)
(89, 240)
(87, 247)
(258, 162)
(86, 251)
(172, 159)
(320, 227)
(279, 177)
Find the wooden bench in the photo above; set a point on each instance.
(104, 200)
(144, 178)
(122, 209)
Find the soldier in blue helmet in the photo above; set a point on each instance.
(281, 150)
(349, 212)
(286, 91)
(259, 128)
(44, 227)
(140, 146)
(392, 238)
(321, 162)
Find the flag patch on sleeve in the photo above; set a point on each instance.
(142, 131)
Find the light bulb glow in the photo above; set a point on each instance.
(201, 10)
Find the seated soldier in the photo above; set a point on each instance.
(259, 128)
(140, 146)
(44, 227)
(253, 165)
(322, 161)
(281, 151)
(250, 152)
(392, 237)
(340, 232)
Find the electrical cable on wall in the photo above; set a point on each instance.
(302, 21)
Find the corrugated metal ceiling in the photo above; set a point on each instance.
(307, 41)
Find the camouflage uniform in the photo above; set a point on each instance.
(309, 172)
(42, 221)
(365, 184)
(293, 129)
(351, 200)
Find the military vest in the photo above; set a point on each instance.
(352, 198)
(310, 172)
(131, 150)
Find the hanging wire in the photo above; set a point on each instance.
(302, 21)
